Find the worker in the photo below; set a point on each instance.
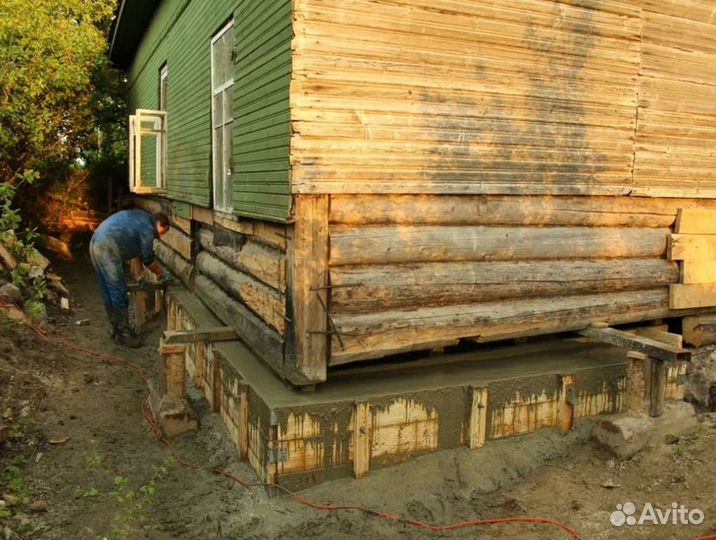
(122, 237)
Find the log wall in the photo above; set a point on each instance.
(411, 272)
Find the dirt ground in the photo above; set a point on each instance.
(82, 463)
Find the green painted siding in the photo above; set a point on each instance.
(180, 36)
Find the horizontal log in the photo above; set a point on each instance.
(262, 300)
(179, 242)
(183, 224)
(257, 335)
(265, 263)
(381, 333)
(404, 244)
(507, 210)
(177, 265)
(357, 289)
(270, 234)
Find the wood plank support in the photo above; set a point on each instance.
(200, 365)
(478, 418)
(637, 377)
(308, 256)
(168, 402)
(696, 295)
(361, 439)
(695, 221)
(651, 347)
(657, 386)
(567, 401)
(243, 420)
(197, 335)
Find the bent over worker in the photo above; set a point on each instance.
(122, 237)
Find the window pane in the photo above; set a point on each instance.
(218, 166)
(228, 154)
(218, 110)
(217, 64)
(228, 47)
(228, 103)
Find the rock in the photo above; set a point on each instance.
(35, 273)
(15, 314)
(37, 259)
(10, 499)
(624, 435)
(11, 293)
(701, 386)
(38, 506)
(628, 433)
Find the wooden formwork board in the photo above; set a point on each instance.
(358, 424)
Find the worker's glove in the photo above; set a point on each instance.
(165, 278)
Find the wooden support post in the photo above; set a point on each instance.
(567, 399)
(168, 401)
(172, 371)
(308, 263)
(200, 363)
(361, 439)
(216, 393)
(478, 418)
(657, 386)
(637, 376)
(243, 420)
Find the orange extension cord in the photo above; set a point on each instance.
(147, 415)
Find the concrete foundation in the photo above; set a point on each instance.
(363, 419)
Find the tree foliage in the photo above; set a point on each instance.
(60, 102)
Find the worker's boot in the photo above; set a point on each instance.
(112, 318)
(123, 334)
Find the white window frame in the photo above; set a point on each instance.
(220, 178)
(163, 98)
(136, 132)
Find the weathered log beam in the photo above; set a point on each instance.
(178, 266)
(263, 300)
(265, 263)
(642, 344)
(406, 244)
(377, 334)
(508, 210)
(258, 336)
(195, 335)
(179, 242)
(361, 289)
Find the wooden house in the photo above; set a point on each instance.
(352, 179)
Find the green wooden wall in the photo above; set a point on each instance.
(180, 36)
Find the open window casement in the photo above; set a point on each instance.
(147, 146)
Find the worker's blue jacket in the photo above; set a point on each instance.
(121, 237)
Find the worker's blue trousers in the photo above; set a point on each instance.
(107, 263)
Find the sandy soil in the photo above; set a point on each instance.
(83, 463)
